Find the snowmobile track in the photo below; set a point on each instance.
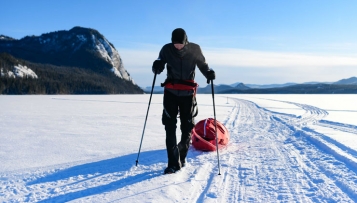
(292, 164)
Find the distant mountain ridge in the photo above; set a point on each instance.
(78, 47)
(348, 81)
(268, 86)
(343, 86)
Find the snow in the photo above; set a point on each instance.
(111, 55)
(20, 71)
(283, 148)
(23, 71)
(82, 38)
(103, 48)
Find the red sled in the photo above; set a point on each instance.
(204, 136)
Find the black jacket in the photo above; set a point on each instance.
(181, 64)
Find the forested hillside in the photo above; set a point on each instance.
(60, 80)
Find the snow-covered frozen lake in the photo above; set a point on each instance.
(283, 148)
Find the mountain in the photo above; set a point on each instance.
(348, 81)
(222, 88)
(19, 76)
(300, 89)
(344, 86)
(82, 49)
(157, 89)
(241, 86)
(255, 86)
(3, 37)
(270, 85)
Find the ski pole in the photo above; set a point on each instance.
(215, 125)
(147, 113)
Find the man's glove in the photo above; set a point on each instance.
(211, 75)
(158, 66)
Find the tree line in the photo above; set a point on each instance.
(62, 80)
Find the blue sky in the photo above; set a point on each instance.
(260, 41)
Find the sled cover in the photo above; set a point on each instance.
(203, 135)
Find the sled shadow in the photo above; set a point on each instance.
(103, 167)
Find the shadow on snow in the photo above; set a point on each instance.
(100, 168)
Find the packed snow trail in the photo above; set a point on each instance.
(271, 157)
(282, 162)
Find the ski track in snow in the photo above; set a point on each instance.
(271, 157)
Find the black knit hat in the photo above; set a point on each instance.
(179, 36)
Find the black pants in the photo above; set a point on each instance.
(185, 106)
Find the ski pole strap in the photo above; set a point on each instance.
(176, 84)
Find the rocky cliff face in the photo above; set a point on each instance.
(77, 61)
(78, 47)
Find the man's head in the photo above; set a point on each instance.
(179, 38)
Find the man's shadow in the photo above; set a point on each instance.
(100, 168)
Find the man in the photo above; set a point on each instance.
(181, 58)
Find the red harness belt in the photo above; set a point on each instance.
(182, 85)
